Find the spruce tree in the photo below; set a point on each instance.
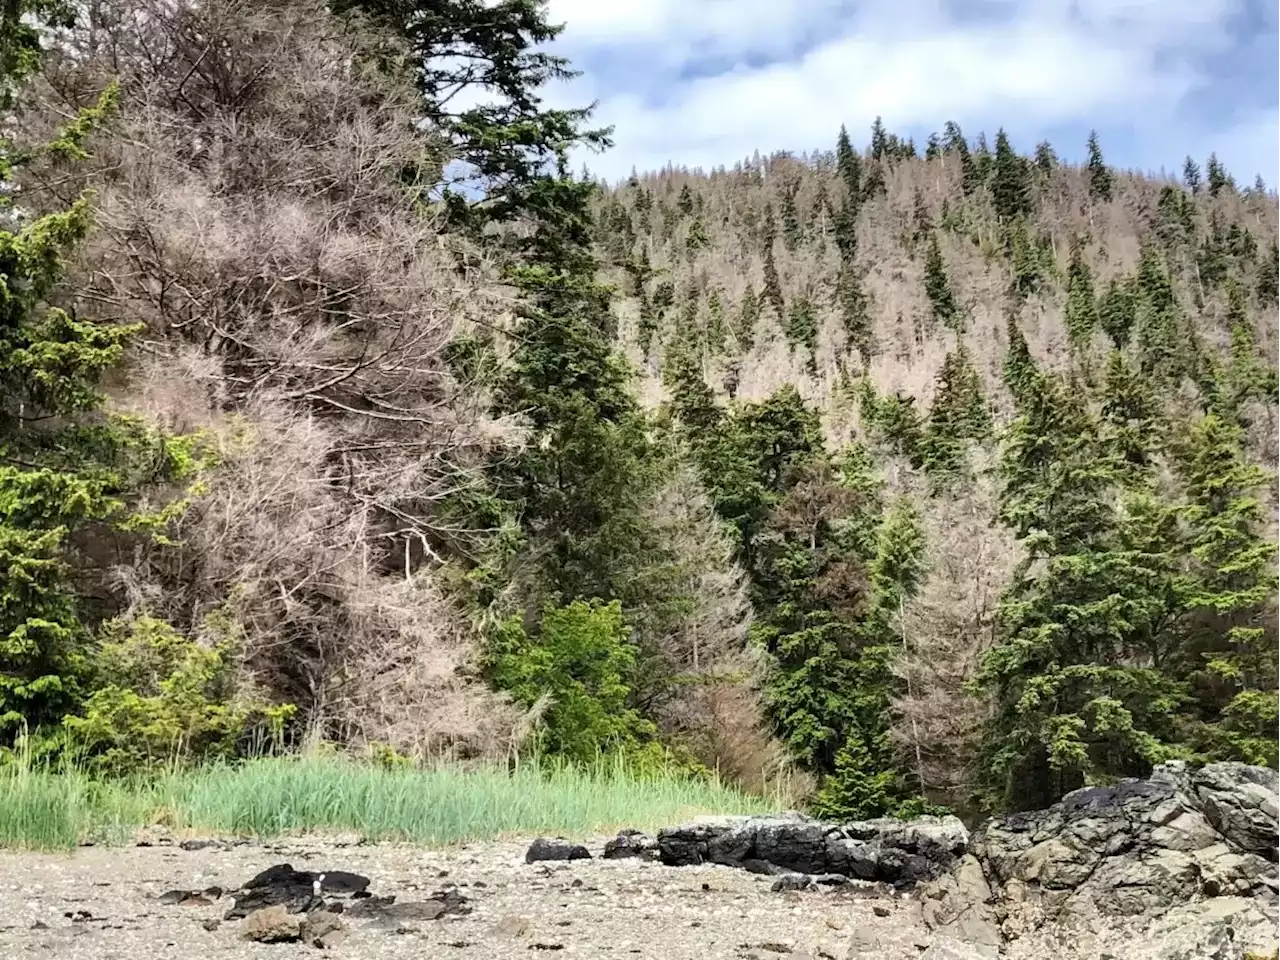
(1073, 698)
(1132, 424)
(1011, 186)
(1160, 348)
(849, 167)
(684, 203)
(854, 311)
(1082, 306)
(983, 162)
(748, 318)
(801, 329)
(1117, 311)
(958, 415)
(1268, 286)
(1101, 181)
(508, 141)
(933, 147)
(1024, 259)
(1230, 599)
(792, 232)
(970, 176)
(1021, 375)
(879, 140)
(772, 283)
(1218, 177)
(1191, 175)
(1046, 159)
(938, 287)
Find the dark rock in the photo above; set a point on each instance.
(200, 844)
(299, 891)
(443, 903)
(185, 898)
(902, 853)
(546, 848)
(791, 881)
(211, 924)
(631, 843)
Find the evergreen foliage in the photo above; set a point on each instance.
(1082, 305)
(959, 414)
(1101, 181)
(938, 288)
(1071, 701)
(1011, 184)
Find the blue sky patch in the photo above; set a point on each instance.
(707, 82)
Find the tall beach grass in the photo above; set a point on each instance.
(43, 809)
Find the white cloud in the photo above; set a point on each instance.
(1249, 148)
(1030, 64)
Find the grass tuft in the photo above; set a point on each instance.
(316, 794)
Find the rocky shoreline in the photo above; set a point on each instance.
(1181, 866)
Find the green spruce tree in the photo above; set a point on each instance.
(1101, 180)
(1011, 184)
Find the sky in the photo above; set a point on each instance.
(708, 82)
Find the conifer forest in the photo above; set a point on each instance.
(896, 476)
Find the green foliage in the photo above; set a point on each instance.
(894, 421)
(1131, 417)
(1021, 375)
(1175, 217)
(1161, 349)
(1229, 598)
(802, 329)
(1101, 181)
(1269, 277)
(1071, 704)
(1024, 258)
(1118, 311)
(1191, 175)
(1011, 184)
(772, 284)
(855, 311)
(505, 139)
(959, 414)
(1218, 177)
(580, 664)
(1046, 160)
(938, 288)
(1082, 305)
(159, 697)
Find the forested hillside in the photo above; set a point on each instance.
(335, 409)
(990, 431)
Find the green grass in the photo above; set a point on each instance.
(273, 796)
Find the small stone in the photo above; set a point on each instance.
(513, 927)
(212, 924)
(880, 910)
(272, 925)
(319, 929)
(791, 881)
(546, 848)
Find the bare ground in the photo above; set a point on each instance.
(619, 909)
(101, 903)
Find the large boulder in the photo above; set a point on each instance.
(894, 851)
